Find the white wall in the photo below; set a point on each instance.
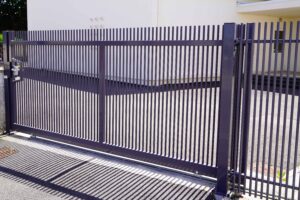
(78, 14)
(74, 14)
(191, 12)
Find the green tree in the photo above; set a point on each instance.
(13, 15)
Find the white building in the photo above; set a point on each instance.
(75, 14)
(97, 14)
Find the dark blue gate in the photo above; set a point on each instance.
(191, 98)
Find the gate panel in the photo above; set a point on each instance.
(148, 93)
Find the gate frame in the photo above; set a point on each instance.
(226, 106)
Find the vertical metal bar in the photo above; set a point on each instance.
(119, 85)
(88, 94)
(289, 146)
(112, 56)
(122, 85)
(127, 80)
(215, 118)
(205, 114)
(7, 80)
(209, 88)
(102, 91)
(200, 137)
(134, 84)
(175, 139)
(183, 133)
(296, 59)
(254, 108)
(179, 134)
(267, 105)
(147, 84)
(210, 147)
(196, 133)
(130, 124)
(159, 110)
(273, 110)
(114, 96)
(246, 101)
(140, 68)
(285, 106)
(279, 105)
(155, 140)
(151, 129)
(96, 75)
(187, 132)
(163, 105)
(226, 106)
(168, 111)
(171, 70)
(119, 75)
(260, 107)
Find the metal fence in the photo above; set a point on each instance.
(265, 155)
(218, 101)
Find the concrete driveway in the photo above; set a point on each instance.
(32, 169)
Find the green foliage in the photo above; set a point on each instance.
(283, 176)
(1, 38)
(13, 15)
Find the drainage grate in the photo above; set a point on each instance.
(7, 151)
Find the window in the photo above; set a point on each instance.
(278, 48)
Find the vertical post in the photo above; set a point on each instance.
(102, 93)
(247, 95)
(237, 97)
(7, 76)
(226, 106)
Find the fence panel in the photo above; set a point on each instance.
(271, 155)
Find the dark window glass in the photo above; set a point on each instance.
(278, 48)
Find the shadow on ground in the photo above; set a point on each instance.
(69, 174)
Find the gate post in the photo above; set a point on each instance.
(247, 98)
(226, 107)
(7, 36)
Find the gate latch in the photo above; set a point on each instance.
(16, 67)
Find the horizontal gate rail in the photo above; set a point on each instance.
(123, 43)
(70, 80)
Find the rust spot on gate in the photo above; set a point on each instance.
(7, 151)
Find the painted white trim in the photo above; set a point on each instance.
(273, 5)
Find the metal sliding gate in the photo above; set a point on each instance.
(221, 101)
